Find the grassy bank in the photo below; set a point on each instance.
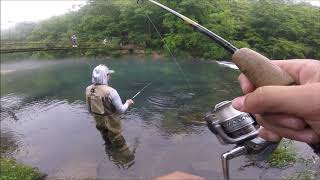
(11, 170)
(283, 156)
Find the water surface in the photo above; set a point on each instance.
(45, 123)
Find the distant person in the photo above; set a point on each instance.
(105, 104)
(105, 41)
(74, 41)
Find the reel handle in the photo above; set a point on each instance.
(259, 69)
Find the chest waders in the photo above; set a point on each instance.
(100, 105)
(106, 118)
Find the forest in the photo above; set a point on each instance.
(279, 29)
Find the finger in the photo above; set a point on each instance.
(301, 70)
(315, 125)
(301, 101)
(245, 84)
(285, 121)
(269, 135)
(306, 135)
(292, 67)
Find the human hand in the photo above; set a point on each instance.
(179, 176)
(286, 111)
(129, 101)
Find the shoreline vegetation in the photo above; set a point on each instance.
(279, 29)
(11, 170)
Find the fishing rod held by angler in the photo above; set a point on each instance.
(255, 66)
(224, 120)
(141, 90)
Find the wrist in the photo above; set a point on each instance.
(128, 103)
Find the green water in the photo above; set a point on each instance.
(45, 123)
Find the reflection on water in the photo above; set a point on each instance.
(115, 145)
(227, 64)
(45, 121)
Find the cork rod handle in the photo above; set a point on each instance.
(259, 69)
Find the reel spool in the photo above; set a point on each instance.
(235, 127)
(230, 125)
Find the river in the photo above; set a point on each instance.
(45, 122)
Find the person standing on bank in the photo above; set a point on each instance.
(105, 104)
(74, 40)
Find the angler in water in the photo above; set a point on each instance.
(105, 104)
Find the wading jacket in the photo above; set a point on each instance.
(104, 100)
(105, 103)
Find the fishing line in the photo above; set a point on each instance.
(173, 57)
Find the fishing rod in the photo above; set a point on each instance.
(228, 124)
(141, 90)
(216, 38)
(255, 66)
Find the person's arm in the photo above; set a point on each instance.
(116, 101)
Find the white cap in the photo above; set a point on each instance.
(99, 74)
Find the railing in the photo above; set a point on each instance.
(13, 47)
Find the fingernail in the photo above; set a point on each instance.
(238, 103)
(242, 85)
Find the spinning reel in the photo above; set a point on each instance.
(234, 127)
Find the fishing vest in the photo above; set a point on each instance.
(98, 100)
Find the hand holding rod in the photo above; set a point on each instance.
(258, 68)
(255, 66)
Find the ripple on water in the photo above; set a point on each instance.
(163, 102)
(169, 99)
(14, 106)
(48, 105)
(11, 142)
(9, 105)
(10, 100)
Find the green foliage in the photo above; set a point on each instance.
(10, 170)
(279, 29)
(284, 155)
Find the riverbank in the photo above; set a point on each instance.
(155, 54)
(11, 170)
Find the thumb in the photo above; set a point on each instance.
(302, 101)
